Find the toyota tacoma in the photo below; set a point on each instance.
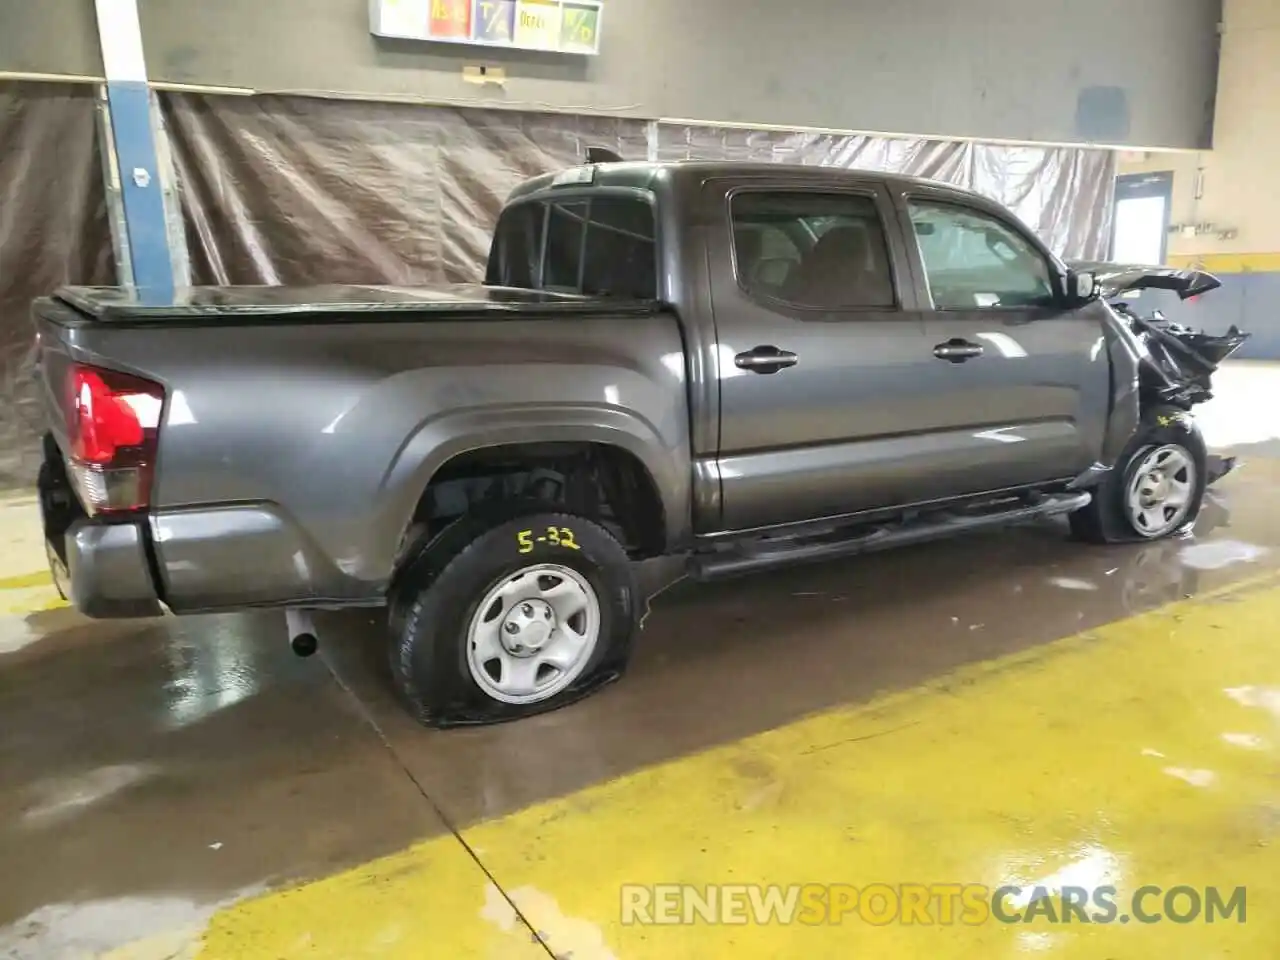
(730, 366)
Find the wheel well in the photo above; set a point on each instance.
(606, 483)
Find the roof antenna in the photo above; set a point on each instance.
(601, 155)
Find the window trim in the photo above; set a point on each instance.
(772, 302)
(565, 202)
(999, 216)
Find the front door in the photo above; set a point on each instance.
(1024, 381)
(818, 351)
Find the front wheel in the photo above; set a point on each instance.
(513, 618)
(1156, 488)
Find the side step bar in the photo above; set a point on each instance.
(832, 545)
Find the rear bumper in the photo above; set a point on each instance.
(193, 561)
(107, 573)
(101, 567)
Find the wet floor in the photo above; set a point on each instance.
(156, 770)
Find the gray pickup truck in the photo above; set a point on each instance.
(736, 366)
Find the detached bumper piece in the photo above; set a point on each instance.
(1217, 467)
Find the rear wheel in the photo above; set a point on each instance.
(1156, 487)
(507, 618)
(533, 634)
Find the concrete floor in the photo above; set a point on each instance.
(990, 710)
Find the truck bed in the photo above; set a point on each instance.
(307, 439)
(245, 305)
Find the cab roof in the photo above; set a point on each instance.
(646, 175)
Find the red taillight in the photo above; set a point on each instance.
(113, 420)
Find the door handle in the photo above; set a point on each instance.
(957, 350)
(765, 359)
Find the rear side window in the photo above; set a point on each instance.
(825, 251)
(604, 246)
(566, 228)
(621, 259)
(516, 255)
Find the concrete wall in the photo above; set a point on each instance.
(49, 36)
(1139, 72)
(1237, 181)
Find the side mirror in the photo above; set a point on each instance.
(1082, 287)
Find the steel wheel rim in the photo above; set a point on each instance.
(1160, 491)
(533, 633)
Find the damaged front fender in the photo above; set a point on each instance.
(1175, 362)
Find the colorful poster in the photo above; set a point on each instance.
(538, 24)
(580, 27)
(403, 18)
(495, 21)
(555, 26)
(451, 19)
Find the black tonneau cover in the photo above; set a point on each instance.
(333, 302)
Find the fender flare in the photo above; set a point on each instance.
(441, 438)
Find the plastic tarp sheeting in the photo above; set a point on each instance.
(292, 189)
(1063, 193)
(53, 230)
(287, 189)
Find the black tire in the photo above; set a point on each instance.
(1105, 519)
(434, 601)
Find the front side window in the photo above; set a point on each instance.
(974, 261)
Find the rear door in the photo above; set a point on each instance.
(1023, 379)
(818, 347)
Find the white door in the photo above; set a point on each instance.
(1141, 218)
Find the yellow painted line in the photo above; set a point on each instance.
(24, 581)
(1144, 752)
(175, 945)
(1229, 262)
(42, 602)
(429, 902)
(29, 593)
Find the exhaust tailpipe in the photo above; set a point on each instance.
(302, 632)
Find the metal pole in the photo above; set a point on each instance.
(145, 241)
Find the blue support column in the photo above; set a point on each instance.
(133, 140)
